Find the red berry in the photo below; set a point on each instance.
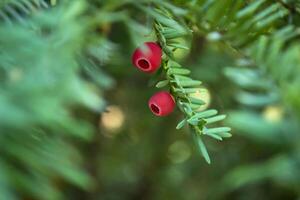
(147, 58)
(162, 103)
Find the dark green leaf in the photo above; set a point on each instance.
(178, 71)
(161, 84)
(181, 124)
(217, 130)
(203, 150)
(215, 119)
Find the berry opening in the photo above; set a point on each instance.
(155, 109)
(144, 64)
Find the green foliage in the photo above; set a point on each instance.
(168, 31)
(54, 56)
(266, 73)
(40, 84)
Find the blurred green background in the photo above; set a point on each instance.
(74, 120)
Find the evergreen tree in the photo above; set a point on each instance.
(74, 119)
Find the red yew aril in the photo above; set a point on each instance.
(147, 58)
(162, 103)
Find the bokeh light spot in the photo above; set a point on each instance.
(113, 119)
(204, 95)
(179, 152)
(273, 113)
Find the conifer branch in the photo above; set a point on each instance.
(182, 86)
